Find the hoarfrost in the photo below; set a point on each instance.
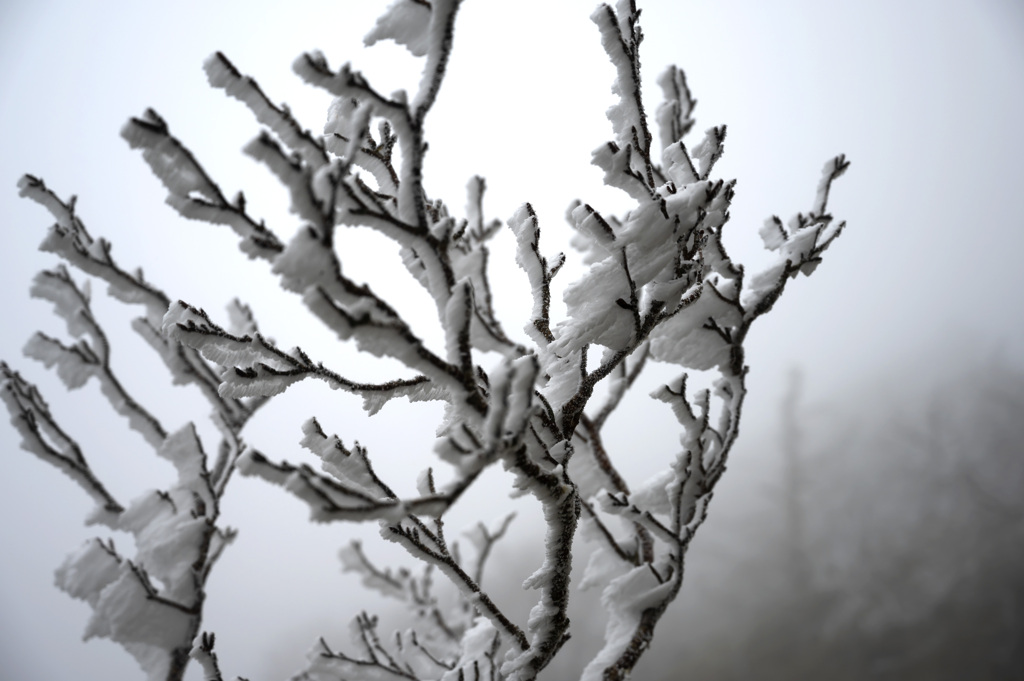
(659, 285)
(406, 22)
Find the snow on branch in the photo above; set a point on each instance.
(799, 244)
(69, 239)
(426, 29)
(175, 537)
(524, 226)
(659, 287)
(621, 37)
(442, 642)
(150, 603)
(222, 74)
(191, 191)
(203, 653)
(256, 367)
(42, 436)
(406, 22)
(78, 363)
(674, 115)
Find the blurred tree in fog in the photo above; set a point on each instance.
(940, 580)
(894, 550)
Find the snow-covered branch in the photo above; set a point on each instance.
(151, 603)
(659, 288)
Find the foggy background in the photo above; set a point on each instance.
(879, 532)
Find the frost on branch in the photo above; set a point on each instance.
(149, 600)
(659, 289)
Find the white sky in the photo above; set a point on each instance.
(923, 97)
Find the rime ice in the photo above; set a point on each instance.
(659, 286)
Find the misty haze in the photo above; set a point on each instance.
(870, 523)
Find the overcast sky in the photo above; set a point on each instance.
(923, 97)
